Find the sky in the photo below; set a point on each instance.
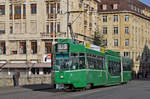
(146, 2)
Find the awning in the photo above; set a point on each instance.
(24, 65)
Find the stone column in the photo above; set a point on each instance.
(21, 18)
(39, 50)
(7, 27)
(28, 45)
(44, 17)
(40, 14)
(13, 18)
(28, 13)
(7, 48)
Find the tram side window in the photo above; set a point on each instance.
(74, 61)
(114, 68)
(90, 62)
(127, 66)
(101, 62)
(95, 62)
(82, 61)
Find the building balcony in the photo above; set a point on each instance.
(2, 17)
(52, 16)
(45, 35)
(52, 35)
(13, 57)
(21, 58)
(16, 0)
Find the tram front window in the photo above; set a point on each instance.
(62, 64)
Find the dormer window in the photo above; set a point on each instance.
(115, 6)
(104, 7)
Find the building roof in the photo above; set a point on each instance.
(135, 6)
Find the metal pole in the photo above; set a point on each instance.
(67, 18)
(121, 68)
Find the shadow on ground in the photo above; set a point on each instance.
(40, 87)
(143, 79)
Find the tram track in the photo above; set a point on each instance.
(82, 92)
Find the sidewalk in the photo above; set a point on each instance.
(26, 88)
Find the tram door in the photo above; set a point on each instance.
(114, 70)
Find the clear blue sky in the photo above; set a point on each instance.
(146, 2)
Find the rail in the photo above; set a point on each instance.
(1, 67)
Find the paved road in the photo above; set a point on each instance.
(132, 90)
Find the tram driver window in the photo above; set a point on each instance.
(81, 61)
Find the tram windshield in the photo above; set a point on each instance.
(64, 62)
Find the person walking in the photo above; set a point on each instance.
(14, 80)
(17, 78)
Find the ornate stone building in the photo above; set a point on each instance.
(29, 27)
(125, 25)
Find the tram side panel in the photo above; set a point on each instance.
(96, 73)
(127, 72)
(114, 70)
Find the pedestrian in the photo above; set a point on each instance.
(17, 78)
(14, 79)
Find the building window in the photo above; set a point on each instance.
(52, 6)
(58, 7)
(2, 28)
(17, 11)
(52, 25)
(104, 18)
(35, 71)
(127, 30)
(58, 27)
(2, 9)
(33, 8)
(105, 42)
(11, 29)
(33, 47)
(24, 11)
(48, 47)
(115, 6)
(104, 7)
(22, 47)
(47, 8)
(126, 18)
(115, 18)
(115, 42)
(47, 29)
(104, 30)
(115, 30)
(2, 47)
(126, 42)
(127, 54)
(11, 12)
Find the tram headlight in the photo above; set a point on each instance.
(61, 76)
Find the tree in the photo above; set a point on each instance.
(98, 38)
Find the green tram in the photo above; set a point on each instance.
(79, 67)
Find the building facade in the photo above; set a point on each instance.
(125, 25)
(28, 28)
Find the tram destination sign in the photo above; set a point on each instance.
(62, 47)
